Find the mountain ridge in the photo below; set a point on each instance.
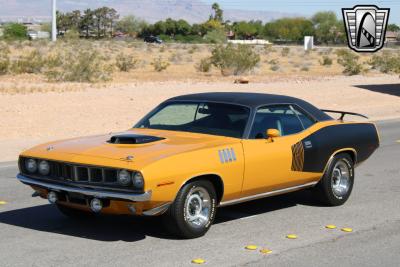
(193, 11)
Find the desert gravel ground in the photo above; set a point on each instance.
(29, 119)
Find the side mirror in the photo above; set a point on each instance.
(273, 133)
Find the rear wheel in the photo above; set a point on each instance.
(75, 213)
(193, 211)
(337, 182)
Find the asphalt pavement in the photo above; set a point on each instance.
(34, 233)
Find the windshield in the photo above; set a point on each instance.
(208, 118)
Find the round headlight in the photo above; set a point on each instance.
(138, 180)
(44, 167)
(31, 165)
(124, 177)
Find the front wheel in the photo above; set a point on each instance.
(193, 211)
(337, 182)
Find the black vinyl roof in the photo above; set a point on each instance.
(253, 100)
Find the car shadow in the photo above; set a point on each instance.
(265, 205)
(390, 89)
(47, 218)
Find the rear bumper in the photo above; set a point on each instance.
(146, 196)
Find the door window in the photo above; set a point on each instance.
(284, 118)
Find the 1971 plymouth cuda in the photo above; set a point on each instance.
(194, 153)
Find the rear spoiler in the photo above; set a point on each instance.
(344, 113)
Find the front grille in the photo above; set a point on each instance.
(80, 174)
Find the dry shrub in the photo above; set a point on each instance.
(326, 61)
(305, 67)
(386, 62)
(159, 64)
(125, 62)
(268, 49)
(176, 58)
(275, 67)
(79, 65)
(193, 49)
(234, 60)
(32, 62)
(274, 64)
(4, 58)
(71, 35)
(285, 51)
(204, 65)
(349, 61)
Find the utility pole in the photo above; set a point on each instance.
(54, 22)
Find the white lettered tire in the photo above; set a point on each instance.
(193, 211)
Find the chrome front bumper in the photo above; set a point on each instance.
(146, 196)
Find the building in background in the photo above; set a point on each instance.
(33, 35)
(392, 37)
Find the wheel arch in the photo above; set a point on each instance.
(350, 151)
(213, 178)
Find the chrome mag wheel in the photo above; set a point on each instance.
(340, 181)
(197, 207)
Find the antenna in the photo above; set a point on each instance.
(54, 22)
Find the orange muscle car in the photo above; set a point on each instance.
(194, 153)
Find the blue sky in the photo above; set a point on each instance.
(308, 7)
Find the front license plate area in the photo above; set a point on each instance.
(77, 198)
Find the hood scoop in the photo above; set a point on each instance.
(133, 139)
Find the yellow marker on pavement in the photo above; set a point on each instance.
(3, 202)
(398, 141)
(291, 236)
(198, 261)
(330, 226)
(346, 229)
(251, 247)
(265, 251)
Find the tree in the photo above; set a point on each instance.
(104, 20)
(218, 13)
(130, 25)
(247, 30)
(87, 21)
(196, 29)
(210, 25)
(67, 21)
(112, 17)
(62, 22)
(158, 28)
(170, 27)
(393, 28)
(327, 27)
(74, 18)
(289, 29)
(183, 27)
(15, 31)
(216, 36)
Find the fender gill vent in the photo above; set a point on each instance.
(133, 139)
(297, 157)
(227, 155)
